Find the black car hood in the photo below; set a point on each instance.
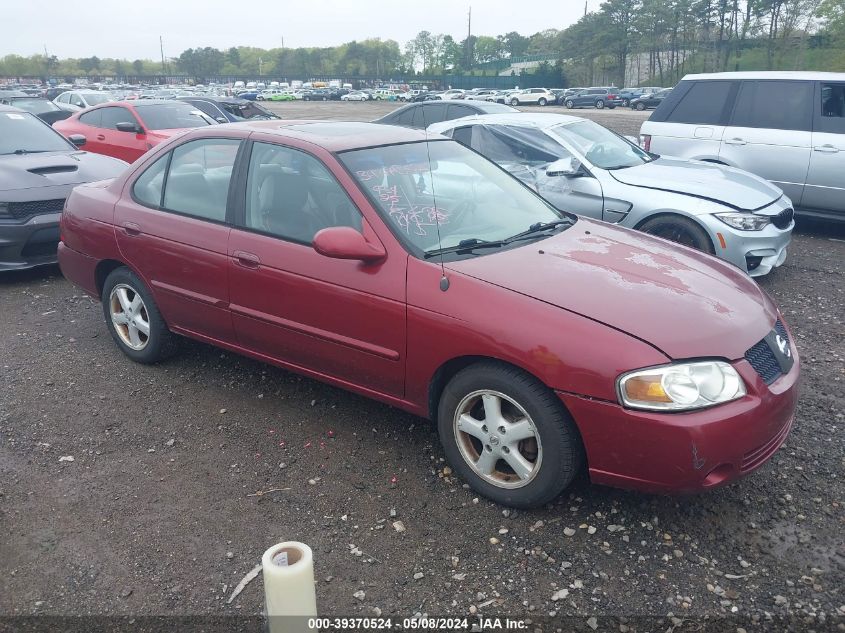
(50, 169)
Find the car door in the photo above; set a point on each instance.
(125, 145)
(88, 125)
(770, 132)
(825, 188)
(171, 227)
(343, 319)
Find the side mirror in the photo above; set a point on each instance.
(343, 242)
(568, 167)
(126, 126)
(221, 119)
(77, 139)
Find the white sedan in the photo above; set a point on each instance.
(354, 96)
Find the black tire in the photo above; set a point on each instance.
(569, 104)
(611, 106)
(640, 106)
(599, 104)
(541, 101)
(514, 102)
(562, 452)
(677, 228)
(161, 342)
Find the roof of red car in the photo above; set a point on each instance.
(337, 136)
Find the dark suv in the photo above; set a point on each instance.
(594, 98)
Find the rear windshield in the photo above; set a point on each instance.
(35, 105)
(22, 133)
(170, 116)
(97, 98)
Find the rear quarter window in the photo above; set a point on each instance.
(704, 103)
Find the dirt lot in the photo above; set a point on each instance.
(160, 511)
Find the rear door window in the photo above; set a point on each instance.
(775, 105)
(111, 116)
(704, 103)
(91, 118)
(830, 111)
(458, 111)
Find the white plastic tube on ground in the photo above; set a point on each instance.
(289, 587)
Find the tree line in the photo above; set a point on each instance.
(626, 42)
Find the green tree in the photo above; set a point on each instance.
(138, 66)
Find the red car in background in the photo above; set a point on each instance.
(127, 130)
(411, 269)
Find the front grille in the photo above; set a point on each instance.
(26, 210)
(783, 219)
(761, 357)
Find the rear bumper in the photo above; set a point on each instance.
(29, 244)
(690, 452)
(79, 269)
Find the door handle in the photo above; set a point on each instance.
(247, 260)
(736, 141)
(131, 229)
(827, 149)
(100, 137)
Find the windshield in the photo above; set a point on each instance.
(34, 105)
(21, 132)
(170, 116)
(96, 98)
(248, 110)
(475, 200)
(600, 146)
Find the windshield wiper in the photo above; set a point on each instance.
(539, 227)
(21, 152)
(464, 245)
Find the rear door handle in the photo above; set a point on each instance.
(100, 137)
(131, 229)
(736, 141)
(827, 149)
(247, 260)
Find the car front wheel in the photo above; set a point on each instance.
(508, 435)
(679, 229)
(570, 104)
(541, 101)
(514, 102)
(133, 318)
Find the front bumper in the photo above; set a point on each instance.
(29, 244)
(686, 452)
(755, 252)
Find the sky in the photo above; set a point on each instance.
(131, 30)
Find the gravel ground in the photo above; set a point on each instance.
(182, 474)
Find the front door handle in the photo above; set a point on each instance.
(736, 141)
(247, 260)
(131, 229)
(827, 149)
(101, 137)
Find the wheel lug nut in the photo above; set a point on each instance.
(502, 430)
(487, 448)
(505, 449)
(484, 428)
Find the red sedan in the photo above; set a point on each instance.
(412, 270)
(127, 130)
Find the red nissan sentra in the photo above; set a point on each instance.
(416, 272)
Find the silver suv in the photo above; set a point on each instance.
(788, 127)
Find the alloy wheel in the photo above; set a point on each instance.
(129, 316)
(498, 439)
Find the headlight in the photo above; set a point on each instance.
(680, 387)
(745, 221)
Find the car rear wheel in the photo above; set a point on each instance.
(133, 318)
(507, 435)
(599, 104)
(514, 102)
(541, 101)
(640, 106)
(676, 228)
(570, 104)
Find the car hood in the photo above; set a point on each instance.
(31, 171)
(725, 185)
(682, 302)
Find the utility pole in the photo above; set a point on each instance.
(468, 52)
(161, 46)
(585, 8)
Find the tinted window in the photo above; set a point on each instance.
(110, 117)
(404, 117)
(91, 118)
(776, 105)
(292, 195)
(147, 189)
(209, 108)
(435, 113)
(23, 131)
(198, 178)
(832, 109)
(169, 116)
(463, 135)
(76, 100)
(419, 118)
(34, 105)
(704, 103)
(458, 111)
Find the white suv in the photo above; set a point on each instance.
(788, 127)
(539, 96)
